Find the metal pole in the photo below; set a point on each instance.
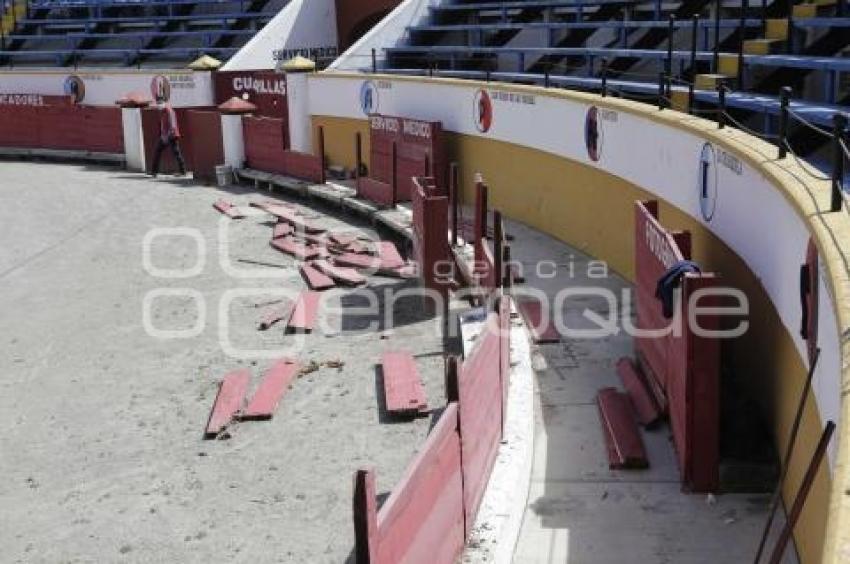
(839, 126)
(358, 157)
(671, 30)
(604, 77)
(690, 97)
(661, 79)
(546, 78)
(802, 494)
(717, 9)
(742, 22)
(721, 111)
(694, 39)
(374, 61)
(784, 102)
(792, 441)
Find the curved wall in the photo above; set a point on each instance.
(753, 226)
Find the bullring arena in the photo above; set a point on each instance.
(418, 282)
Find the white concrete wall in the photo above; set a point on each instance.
(302, 24)
(390, 32)
(752, 216)
(103, 88)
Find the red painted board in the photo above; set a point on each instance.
(542, 328)
(357, 261)
(645, 407)
(282, 230)
(315, 279)
(274, 385)
(305, 312)
(347, 276)
(422, 521)
(295, 219)
(622, 434)
(298, 250)
(265, 204)
(275, 315)
(228, 209)
(343, 239)
(389, 255)
(231, 394)
(403, 388)
(358, 247)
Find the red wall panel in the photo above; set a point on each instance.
(64, 127)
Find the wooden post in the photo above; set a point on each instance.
(395, 174)
(323, 177)
(498, 247)
(454, 200)
(365, 517)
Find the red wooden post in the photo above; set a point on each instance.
(395, 174)
(498, 247)
(358, 157)
(365, 517)
(480, 219)
(454, 198)
(323, 177)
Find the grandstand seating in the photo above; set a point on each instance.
(752, 48)
(128, 32)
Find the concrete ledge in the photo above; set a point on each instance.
(62, 155)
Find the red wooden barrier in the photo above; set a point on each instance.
(265, 150)
(62, 127)
(685, 367)
(375, 191)
(422, 522)
(430, 233)
(206, 155)
(420, 149)
(264, 89)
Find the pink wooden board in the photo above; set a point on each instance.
(403, 388)
(231, 394)
(273, 387)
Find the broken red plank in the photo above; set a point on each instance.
(315, 279)
(622, 434)
(358, 247)
(358, 261)
(347, 276)
(343, 239)
(282, 230)
(265, 204)
(389, 255)
(403, 388)
(275, 315)
(300, 251)
(228, 401)
(274, 385)
(228, 209)
(292, 217)
(636, 386)
(542, 329)
(305, 312)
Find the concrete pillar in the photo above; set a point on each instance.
(233, 140)
(134, 141)
(297, 98)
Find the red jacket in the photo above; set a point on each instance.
(168, 127)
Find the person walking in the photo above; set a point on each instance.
(169, 136)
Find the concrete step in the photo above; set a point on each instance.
(762, 46)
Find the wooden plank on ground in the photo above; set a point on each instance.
(540, 323)
(389, 255)
(282, 230)
(298, 250)
(273, 387)
(645, 407)
(315, 279)
(357, 261)
(403, 388)
(347, 276)
(228, 209)
(622, 434)
(293, 218)
(343, 239)
(228, 402)
(305, 312)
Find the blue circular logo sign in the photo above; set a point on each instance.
(75, 88)
(707, 182)
(593, 134)
(369, 98)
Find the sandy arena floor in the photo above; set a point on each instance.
(102, 456)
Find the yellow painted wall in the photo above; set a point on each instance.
(594, 212)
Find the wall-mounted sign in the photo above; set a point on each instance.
(369, 100)
(264, 89)
(317, 54)
(482, 111)
(707, 182)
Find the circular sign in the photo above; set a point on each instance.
(593, 136)
(369, 98)
(160, 88)
(707, 182)
(482, 111)
(75, 88)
